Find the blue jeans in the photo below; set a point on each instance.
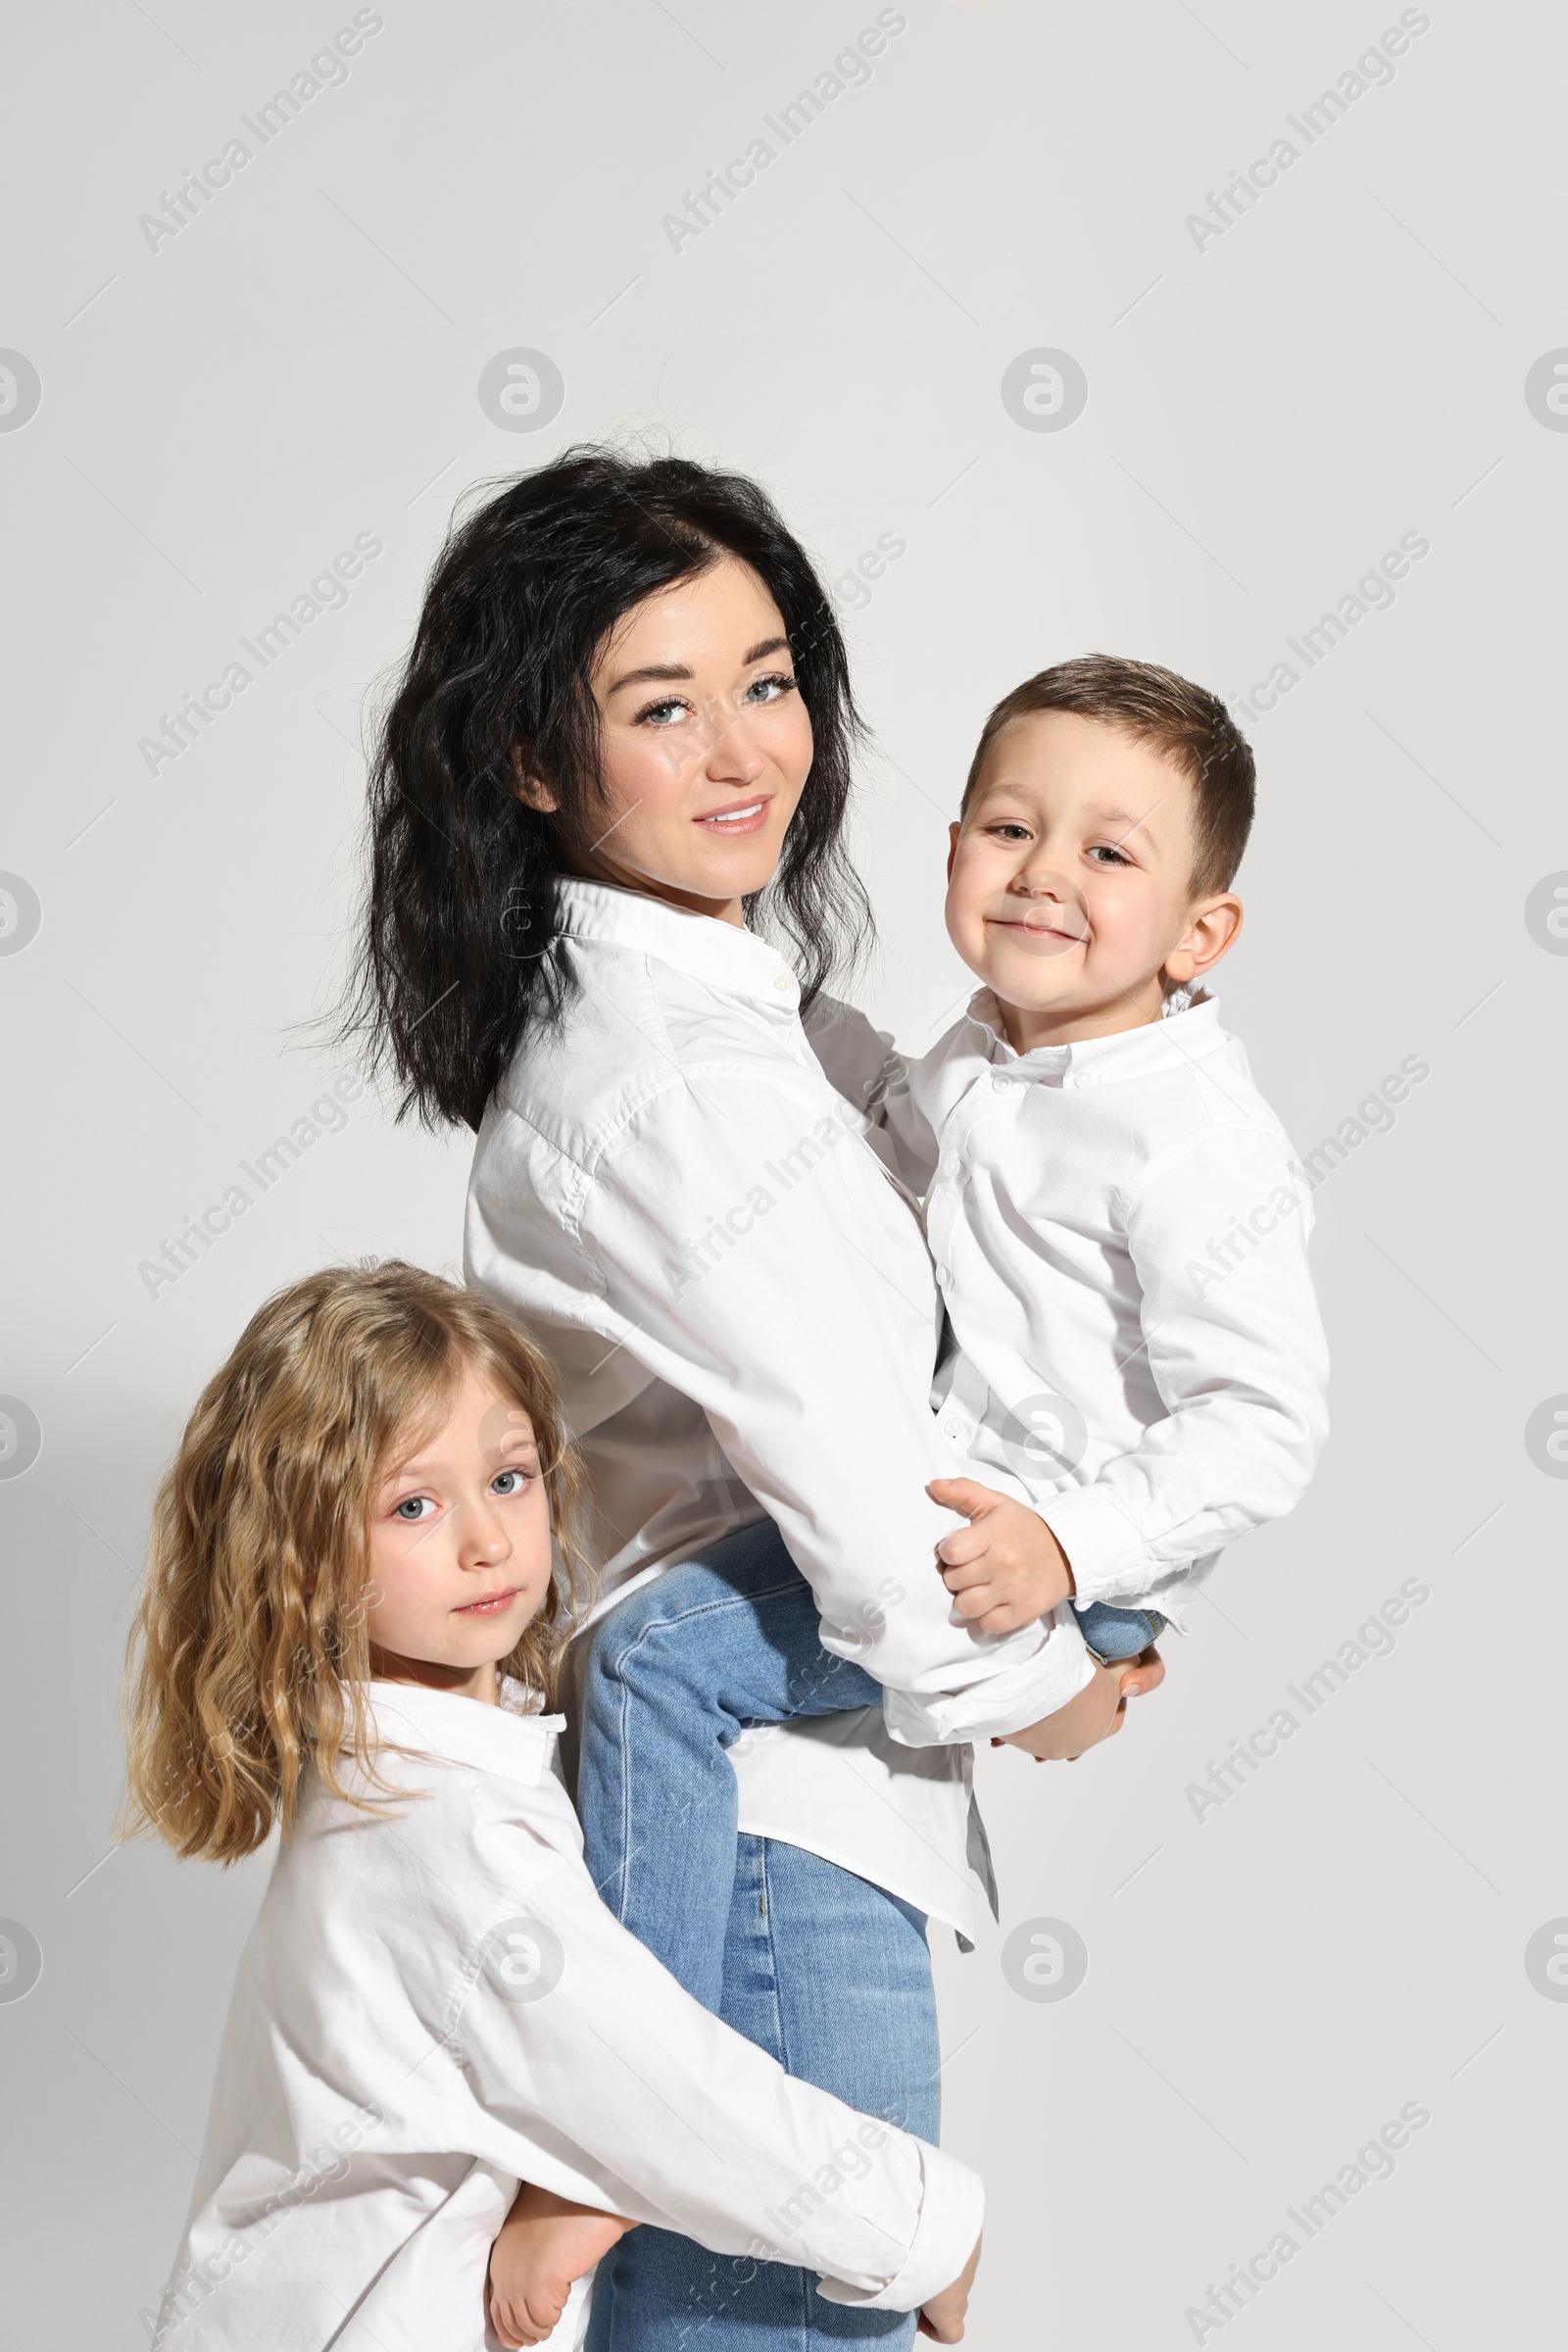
(826, 1971)
(1116, 1634)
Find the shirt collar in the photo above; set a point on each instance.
(727, 958)
(504, 1740)
(1181, 1037)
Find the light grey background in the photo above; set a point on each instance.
(1268, 411)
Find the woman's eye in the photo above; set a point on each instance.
(414, 1507)
(509, 1482)
(768, 689)
(662, 715)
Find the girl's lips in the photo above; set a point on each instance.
(738, 818)
(492, 1604)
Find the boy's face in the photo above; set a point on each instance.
(1070, 880)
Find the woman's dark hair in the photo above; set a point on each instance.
(460, 957)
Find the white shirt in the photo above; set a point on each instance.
(436, 2005)
(1120, 1229)
(673, 1196)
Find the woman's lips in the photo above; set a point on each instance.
(738, 818)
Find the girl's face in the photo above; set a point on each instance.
(459, 1547)
(706, 744)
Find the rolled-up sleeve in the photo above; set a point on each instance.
(591, 2072)
(1235, 1349)
(746, 1246)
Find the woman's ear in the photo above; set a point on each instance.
(1212, 930)
(530, 789)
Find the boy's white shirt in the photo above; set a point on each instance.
(434, 2005)
(1153, 1382)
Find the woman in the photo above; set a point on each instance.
(621, 748)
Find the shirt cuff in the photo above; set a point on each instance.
(1110, 1556)
(953, 2207)
(989, 1710)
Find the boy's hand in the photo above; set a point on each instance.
(1096, 1713)
(546, 2242)
(943, 2317)
(1005, 1568)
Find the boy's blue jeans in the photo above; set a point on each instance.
(826, 1971)
(1116, 1634)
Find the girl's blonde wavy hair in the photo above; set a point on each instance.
(250, 1653)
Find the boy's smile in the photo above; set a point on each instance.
(1070, 880)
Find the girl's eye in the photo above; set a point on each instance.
(509, 1482)
(413, 1508)
(770, 688)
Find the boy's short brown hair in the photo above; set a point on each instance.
(1191, 726)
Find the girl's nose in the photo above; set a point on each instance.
(484, 1540)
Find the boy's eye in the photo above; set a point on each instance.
(1108, 855)
(414, 1507)
(1010, 831)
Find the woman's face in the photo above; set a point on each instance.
(706, 744)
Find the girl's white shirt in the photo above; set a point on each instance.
(671, 1193)
(434, 2004)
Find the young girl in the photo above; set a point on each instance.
(361, 1582)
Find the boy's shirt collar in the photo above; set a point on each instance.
(1154, 1048)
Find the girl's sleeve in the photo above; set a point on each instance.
(595, 2075)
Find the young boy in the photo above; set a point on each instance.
(1118, 1223)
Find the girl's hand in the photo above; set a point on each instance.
(943, 2317)
(545, 2243)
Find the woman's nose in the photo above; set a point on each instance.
(732, 749)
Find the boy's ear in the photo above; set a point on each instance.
(530, 789)
(1214, 927)
(953, 847)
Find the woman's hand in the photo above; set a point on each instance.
(1097, 1714)
(545, 2243)
(943, 2317)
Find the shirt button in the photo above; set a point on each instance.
(942, 1275)
(783, 983)
(1086, 1075)
(952, 1429)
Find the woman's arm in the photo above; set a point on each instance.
(745, 1247)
